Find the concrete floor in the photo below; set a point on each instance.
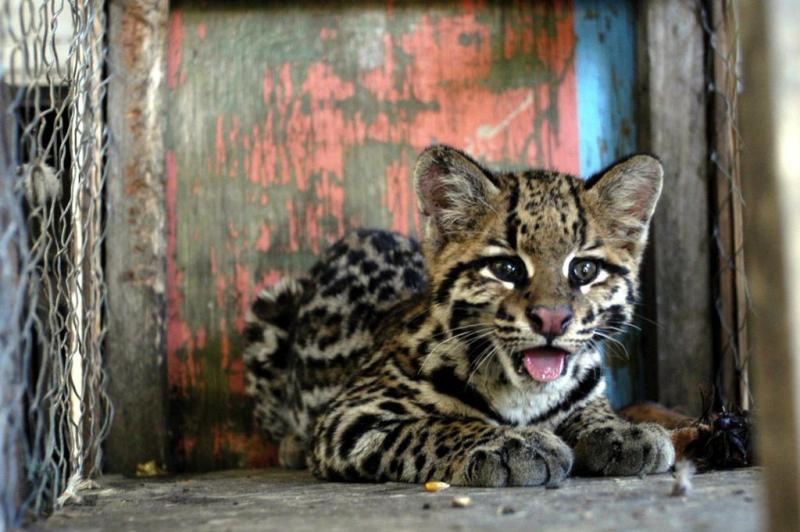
(277, 499)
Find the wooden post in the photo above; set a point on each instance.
(12, 430)
(135, 242)
(770, 105)
(673, 127)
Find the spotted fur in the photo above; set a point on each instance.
(382, 365)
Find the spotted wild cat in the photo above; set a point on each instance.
(478, 363)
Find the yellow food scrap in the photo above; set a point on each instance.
(436, 485)
(149, 469)
(461, 502)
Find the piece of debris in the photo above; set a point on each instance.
(717, 440)
(150, 469)
(684, 470)
(505, 510)
(426, 506)
(461, 502)
(436, 485)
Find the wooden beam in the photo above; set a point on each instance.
(135, 242)
(12, 382)
(770, 105)
(673, 127)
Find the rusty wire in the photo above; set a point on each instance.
(54, 412)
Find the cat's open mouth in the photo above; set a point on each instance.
(543, 364)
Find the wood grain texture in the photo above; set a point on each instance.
(769, 109)
(136, 244)
(12, 380)
(279, 500)
(289, 125)
(731, 367)
(673, 127)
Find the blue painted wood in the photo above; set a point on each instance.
(605, 58)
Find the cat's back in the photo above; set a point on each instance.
(308, 336)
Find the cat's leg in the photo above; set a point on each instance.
(366, 444)
(605, 444)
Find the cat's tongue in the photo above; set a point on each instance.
(544, 363)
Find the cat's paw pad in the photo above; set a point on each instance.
(625, 450)
(519, 461)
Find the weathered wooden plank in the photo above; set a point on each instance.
(136, 244)
(277, 500)
(12, 384)
(673, 127)
(770, 105)
(605, 58)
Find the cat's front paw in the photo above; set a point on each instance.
(534, 459)
(625, 449)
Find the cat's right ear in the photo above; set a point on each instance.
(453, 191)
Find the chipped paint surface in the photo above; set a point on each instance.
(288, 126)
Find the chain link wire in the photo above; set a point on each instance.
(54, 412)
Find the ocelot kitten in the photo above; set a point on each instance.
(477, 364)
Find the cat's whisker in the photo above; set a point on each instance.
(614, 340)
(469, 336)
(482, 360)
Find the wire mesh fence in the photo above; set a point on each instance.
(53, 409)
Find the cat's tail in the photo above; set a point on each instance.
(269, 334)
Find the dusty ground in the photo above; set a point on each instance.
(284, 500)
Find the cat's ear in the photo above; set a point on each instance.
(453, 192)
(627, 193)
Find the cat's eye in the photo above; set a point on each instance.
(583, 271)
(511, 270)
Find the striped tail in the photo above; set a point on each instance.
(269, 352)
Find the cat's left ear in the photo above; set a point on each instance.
(453, 191)
(627, 193)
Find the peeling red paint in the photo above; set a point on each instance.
(243, 287)
(233, 231)
(269, 278)
(294, 242)
(263, 242)
(200, 338)
(233, 138)
(221, 153)
(327, 34)
(236, 380)
(202, 31)
(175, 50)
(178, 332)
(225, 342)
(398, 197)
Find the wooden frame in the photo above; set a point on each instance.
(11, 369)
(136, 264)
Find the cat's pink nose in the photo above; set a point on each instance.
(550, 321)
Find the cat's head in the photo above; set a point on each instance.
(533, 268)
